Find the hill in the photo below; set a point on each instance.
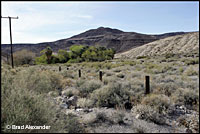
(176, 44)
(111, 38)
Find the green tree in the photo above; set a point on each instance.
(48, 54)
(77, 50)
(90, 54)
(63, 56)
(41, 59)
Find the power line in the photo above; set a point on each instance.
(11, 37)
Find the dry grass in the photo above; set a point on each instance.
(172, 81)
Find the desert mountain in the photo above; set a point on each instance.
(176, 44)
(111, 38)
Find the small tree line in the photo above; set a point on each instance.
(77, 53)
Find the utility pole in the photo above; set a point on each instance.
(11, 37)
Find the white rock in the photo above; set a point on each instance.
(137, 116)
(79, 109)
(72, 100)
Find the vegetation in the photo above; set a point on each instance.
(78, 53)
(24, 102)
(28, 92)
(23, 57)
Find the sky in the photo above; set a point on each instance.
(51, 21)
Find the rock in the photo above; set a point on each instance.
(188, 130)
(72, 101)
(87, 110)
(137, 116)
(90, 110)
(79, 109)
(65, 99)
(64, 106)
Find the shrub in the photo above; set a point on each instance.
(68, 74)
(167, 68)
(191, 61)
(101, 117)
(142, 57)
(169, 55)
(109, 79)
(146, 112)
(186, 97)
(190, 71)
(39, 81)
(73, 125)
(23, 57)
(117, 70)
(109, 74)
(89, 87)
(70, 92)
(115, 94)
(166, 88)
(53, 94)
(119, 117)
(84, 102)
(158, 101)
(120, 75)
(21, 106)
(181, 70)
(191, 122)
(108, 65)
(79, 83)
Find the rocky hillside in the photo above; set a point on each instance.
(111, 38)
(177, 44)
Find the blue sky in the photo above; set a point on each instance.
(51, 21)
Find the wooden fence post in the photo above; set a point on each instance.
(100, 75)
(59, 68)
(147, 85)
(79, 73)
